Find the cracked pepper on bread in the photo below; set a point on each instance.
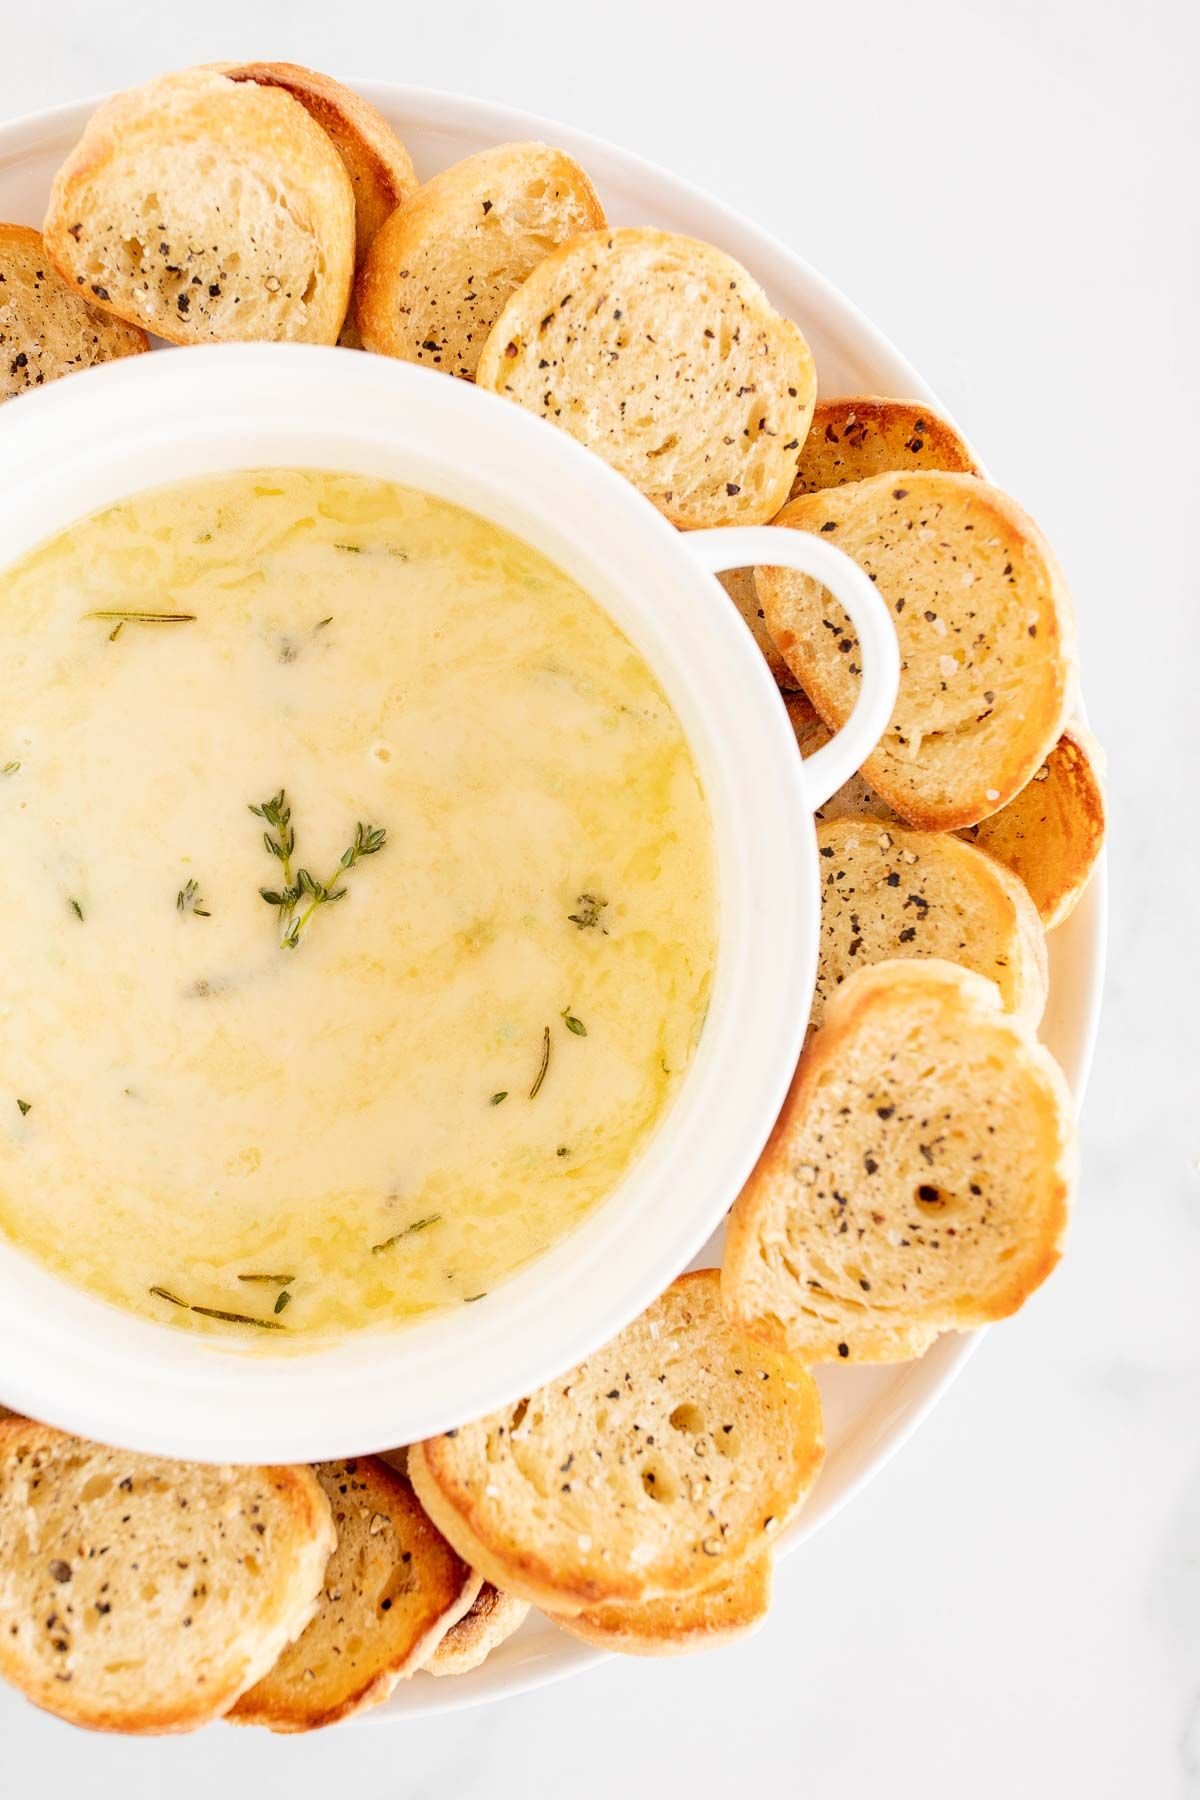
(141, 1595)
(917, 1180)
(889, 892)
(392, 1588)
(207, 210)
(986, 630)
(650, 1471)
(47, 328)
(445, 264)
(665, 357)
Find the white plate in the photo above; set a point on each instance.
(868, 1412)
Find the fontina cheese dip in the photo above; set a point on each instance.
(357, 908)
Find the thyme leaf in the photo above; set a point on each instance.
(497, 1098)
(77, 909)
(468, 1298)
(543, 1065)
(417, 1225)
(216, 1312)
(190, 899)
(572, 1023)
(284, 1299)
(10, 768)
(587, 914)
(25, 1106)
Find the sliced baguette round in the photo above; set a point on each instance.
(853, 438)
(207, 210)
(888, 892)
(650, 1470)
(665, 357)
(392, 1587)
(855, 797)
(702, 1621)
(379, 166)
(986, 638)
(491, 1617)
(739, 585)
(917, 1180)
(1052, 833)
(443, 267)
(140, 1595)
(47, 329)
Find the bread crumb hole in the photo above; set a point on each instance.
(659, 1483)
(688, 1418)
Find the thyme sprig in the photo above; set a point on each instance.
(190, 899)
(587, 917)
(302, 884)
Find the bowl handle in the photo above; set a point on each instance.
(736, 547)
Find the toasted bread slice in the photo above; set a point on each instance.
(700, 1621)
(854, 438)
(664, 356)
(141, 1595)
(887, 892)
(1049, 835)
(392, 1586)
(1052, 833)
(47, 329)
(379, 167)
(855, 797)
(651, 1470)
(441, 270)
(739, 585)
(491, 1618)
(986, 638)
(207, 210)
(918, 1179)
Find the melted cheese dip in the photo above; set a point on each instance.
(462, 1054)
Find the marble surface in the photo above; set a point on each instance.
(1013, 1608)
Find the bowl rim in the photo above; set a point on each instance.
(86, 1365)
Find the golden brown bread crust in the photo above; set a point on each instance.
(1052, 832)
(445, 264)
(392, 1587)
(986, 632)
(918, 1179)
(643, 1514)
(491, 1618)
(54, 1560)
(862, 435)
(377, 163)
(47, 328)
(192, 131)
(701, 1621)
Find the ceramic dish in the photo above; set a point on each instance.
(868, 1412)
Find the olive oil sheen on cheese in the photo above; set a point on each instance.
(357, 909)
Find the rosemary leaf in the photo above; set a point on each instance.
(417, 1225)
(77, 909)
(468, 1298)
(134, 615)
(10, 768)
(165, 1294)
(272, 1280)
(543, 1066)
(236, 1318)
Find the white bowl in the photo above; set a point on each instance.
(88, 441)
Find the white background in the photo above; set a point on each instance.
(1009, 191)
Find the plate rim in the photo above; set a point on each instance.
(434, 110)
